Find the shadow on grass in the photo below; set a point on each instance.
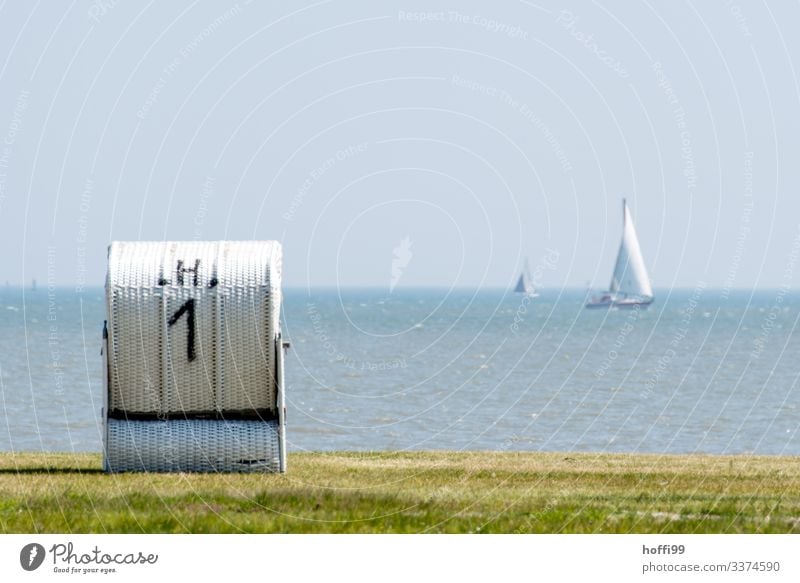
(66, 471)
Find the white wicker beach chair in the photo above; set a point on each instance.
(193, 357)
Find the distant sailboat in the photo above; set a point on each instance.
(630, 285)
(525, 282)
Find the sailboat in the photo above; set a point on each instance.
(630, 285)
(525, 283)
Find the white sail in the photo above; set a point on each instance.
(630, 274)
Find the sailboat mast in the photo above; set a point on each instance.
(622, 257)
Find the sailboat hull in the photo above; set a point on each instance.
(641, 303)
(610, 301)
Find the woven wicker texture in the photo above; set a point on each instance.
(192, 446)
(193, 326)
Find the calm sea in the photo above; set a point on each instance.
(699, 371)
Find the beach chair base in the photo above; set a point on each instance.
(183, 445)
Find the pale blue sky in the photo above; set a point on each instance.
(478, 135)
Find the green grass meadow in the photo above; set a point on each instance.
(411, 492)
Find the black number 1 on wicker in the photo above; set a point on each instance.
(188, 306)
